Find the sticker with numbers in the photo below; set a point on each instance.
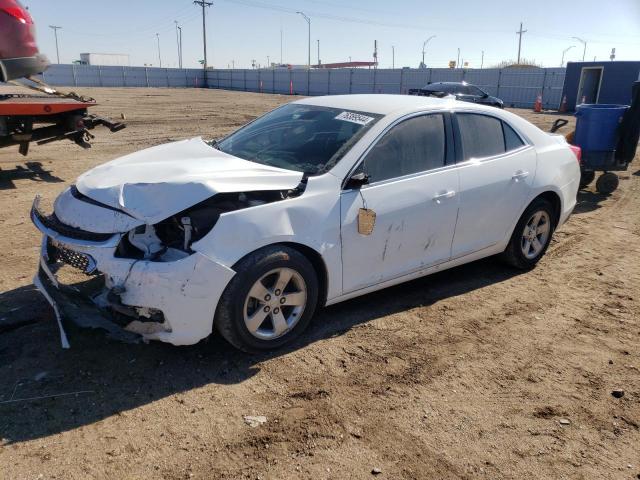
(354, 118)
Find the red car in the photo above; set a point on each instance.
(19, 56)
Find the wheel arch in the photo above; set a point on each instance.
(319, 266)
(554, 199)
(314, 257)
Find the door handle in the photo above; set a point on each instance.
(443, 195)
(519, 175)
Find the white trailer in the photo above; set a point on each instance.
(105, 59)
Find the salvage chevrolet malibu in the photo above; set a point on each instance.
(316, 202)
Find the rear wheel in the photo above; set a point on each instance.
(270, 301)
(532, 235)
(607, 183)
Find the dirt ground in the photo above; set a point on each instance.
(477, 372)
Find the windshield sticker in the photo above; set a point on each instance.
(354, 118)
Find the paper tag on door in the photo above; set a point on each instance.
(366, 221)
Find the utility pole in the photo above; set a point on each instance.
(204, 5)
(458, 61)
(375, 53)
(268, 62)
(583, 42)
(318, 52)
(159, 56)
(55, 32)
(424, 45)
(519, 33)
(309, 40)
(180, 52)
(393, 56)
(482, 60)
(563, 53)
(178, 43)
(280, 45)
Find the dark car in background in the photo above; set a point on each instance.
(461, 90)
(19, 55)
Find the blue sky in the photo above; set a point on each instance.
(242, 30)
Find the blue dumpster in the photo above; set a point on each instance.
(597, 134)
(608, 137)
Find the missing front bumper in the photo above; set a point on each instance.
(75, 303)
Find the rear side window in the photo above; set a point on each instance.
(480, 135)
(415, 145)
(511, 139)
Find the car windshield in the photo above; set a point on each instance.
(305, 138)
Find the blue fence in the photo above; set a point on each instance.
(517, 87)
(97, 76)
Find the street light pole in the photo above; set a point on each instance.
(424, 45)
(583, 42)
(393, 56)
(55, 32)
(318, 52)
(309, 39)
(159, 55)
(178, 42)
(563, 53)
(482, 60)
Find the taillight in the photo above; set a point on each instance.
(18, 12)
(577, 152)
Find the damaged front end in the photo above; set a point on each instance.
(129, 229)
(102, 268)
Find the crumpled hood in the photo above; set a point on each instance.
(153, 184)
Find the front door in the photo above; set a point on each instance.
(414, 195)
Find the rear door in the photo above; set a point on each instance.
(496, 171)
(413, 192)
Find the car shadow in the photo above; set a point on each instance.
(588, 201)
(45, 390)
(30, 171)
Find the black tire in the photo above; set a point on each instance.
(607, 183)
(513, 254)
(586, 177)
(229, 319)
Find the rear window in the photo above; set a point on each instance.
(512, 140)
(480, 135)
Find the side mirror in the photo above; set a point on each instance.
(357, 180)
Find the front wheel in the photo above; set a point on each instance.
(532, 235)
(270, 301)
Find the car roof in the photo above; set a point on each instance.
(378, 103)
(448, 83)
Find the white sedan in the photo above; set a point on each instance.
(319, 201)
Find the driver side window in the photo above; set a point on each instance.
(415, 145)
